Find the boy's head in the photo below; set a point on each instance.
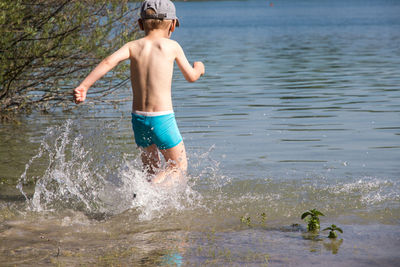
(158, 14)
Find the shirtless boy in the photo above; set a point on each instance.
(151, 64)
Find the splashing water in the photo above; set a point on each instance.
(84, 170)
(79, 177)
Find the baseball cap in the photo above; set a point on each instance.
(164, 9)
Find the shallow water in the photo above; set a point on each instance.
(299, 109)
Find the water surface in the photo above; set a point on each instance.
(299, 109)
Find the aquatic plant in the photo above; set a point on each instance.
(333, 228)
(263, 218)
(245, 220)
(266, 257)
(312, 219)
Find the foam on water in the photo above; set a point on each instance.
(371, 191)
(78, 177)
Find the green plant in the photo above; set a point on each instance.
(311, 217)
(333, 228)
(266, 257)
(245, 220)
(263, 218)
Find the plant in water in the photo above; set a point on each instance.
(245, 220)
(263, 218)
(333, 228)
(311, 217)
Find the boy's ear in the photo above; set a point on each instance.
(171, 28)
(140, 22)
(173, 25)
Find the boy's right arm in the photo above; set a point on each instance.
(190, 73)
(105, 66)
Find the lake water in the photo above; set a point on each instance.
(299, 109)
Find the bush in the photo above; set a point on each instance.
(48, 46)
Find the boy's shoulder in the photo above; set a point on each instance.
(144, 40)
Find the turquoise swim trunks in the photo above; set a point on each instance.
(151, 128)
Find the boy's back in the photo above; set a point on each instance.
(152, 60)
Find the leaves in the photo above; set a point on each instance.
(333, 228)
(318, 213)
(313, 213)
(313, 221)
(46, 46)
(332, 234)
(263, 217)
(245, 220)
(305, 214)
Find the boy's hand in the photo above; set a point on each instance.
(199, 66)
(79, 94)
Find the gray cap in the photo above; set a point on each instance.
(164, 9)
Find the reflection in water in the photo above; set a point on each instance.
(172, 259)
(317, 242)
(333, 245)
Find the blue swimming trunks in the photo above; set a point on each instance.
(150, 128)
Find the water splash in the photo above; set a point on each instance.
(67, 180)
(370, 191)
(84, 174)
(83, 170)
(152, 201)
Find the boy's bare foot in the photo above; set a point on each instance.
(168, 178)
(158, 179)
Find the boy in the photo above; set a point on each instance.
(151, 64)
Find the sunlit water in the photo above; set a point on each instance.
(299, 109)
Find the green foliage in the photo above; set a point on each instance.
(245, 220)
(47, 46)
(333, 228)
(263, 218)
(312, 218)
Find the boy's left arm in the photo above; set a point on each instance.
(105, 66)
(190, 73)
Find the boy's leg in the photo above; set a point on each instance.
(176, 164)
(150, 159)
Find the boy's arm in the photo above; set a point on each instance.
(191, 73)
(105, 66)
